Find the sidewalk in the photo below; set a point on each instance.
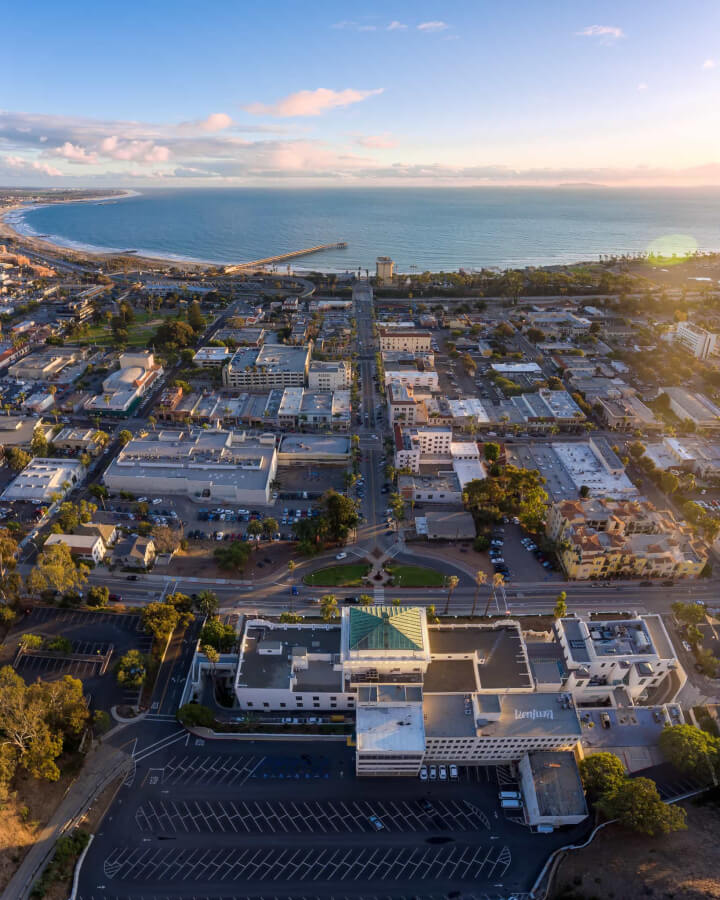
(101, 767)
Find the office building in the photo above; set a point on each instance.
(270, 366)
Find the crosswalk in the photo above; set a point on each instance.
(379, 595)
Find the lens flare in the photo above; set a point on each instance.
(673, 248)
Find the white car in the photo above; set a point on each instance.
(454, 772)
(341, 556)
(443, 773)
(157, 501)
(433, 773)
(687, 646)
(423, 773)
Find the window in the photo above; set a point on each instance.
(249, 703)
(266, 705)
(283, 705)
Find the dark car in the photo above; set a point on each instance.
(646, 584)
(351, 599)
(133, 577)
(668, 583)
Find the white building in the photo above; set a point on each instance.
(329, 376)
(695, 340)
(211, 357)
(83, 546)
(693, 406)
(42, 478)
(618, 661)
(270, 366)
(123, 388)
(202, 464)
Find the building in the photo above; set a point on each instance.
(18, 431)
(384, 269)
(696, 340)
(57, 365)
(136, 553)
(443, 488)
(464, 694)
(552, 789)
(691, 454)
(445, 526)
(561, 324)
(599, 538)
(625, 413)
(693, 406)
(81, 440)
(414, 374)
(316, 449)
(41, 479)
(108, 533)
(303, 409)
(201, 464)
(83, 546)
(124, 388)
(619, 662)
(469, 411)
(404, 407)
(408, 339)
(270, 366)
(330, 376)
(421, 444)
(211, 357)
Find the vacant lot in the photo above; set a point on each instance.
(338, 576)
(619, 864)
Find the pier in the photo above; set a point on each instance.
(281, 257)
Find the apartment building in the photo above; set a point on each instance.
(404, 407)
(600, 538)
(270, 366)
(300, 408)
(696, 340)
(408, 339)
(384, 270)
(211, 357)
(83, 546)
(696, 407)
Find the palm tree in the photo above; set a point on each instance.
(213, 657)
(329, 607)
(366, 600)
(452, 582)
(480, 580)
(498, 581)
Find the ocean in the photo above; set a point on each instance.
(421, 229)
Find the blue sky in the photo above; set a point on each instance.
(387, 93)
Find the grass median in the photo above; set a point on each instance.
(415, 576)
(338, 576)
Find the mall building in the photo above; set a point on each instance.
(466, 694)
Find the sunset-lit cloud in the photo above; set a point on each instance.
(377, 141)
(605, 33)
(311, 103)
(709, 64)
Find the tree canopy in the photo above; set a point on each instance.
(636, 803)
(55, 569)
(601, 773)
(218, 635)
(508, 491)
(160, 619)
(232, 555)
(690, 749)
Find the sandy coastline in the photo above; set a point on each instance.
(110, 259)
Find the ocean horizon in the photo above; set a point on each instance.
(421, 229)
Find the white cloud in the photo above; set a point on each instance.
(137, 151)
(311, 103)
(214, 122)
(18, 164)
(709, 64)
(642, 86)
(377, 141)
(354, 26)
(396, 26)
(606, 33)
(433, 26)
(75, 154)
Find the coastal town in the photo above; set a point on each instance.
(365, 554)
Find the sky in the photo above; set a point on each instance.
(307, 92)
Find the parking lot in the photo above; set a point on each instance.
(89, 633)
(198, 817)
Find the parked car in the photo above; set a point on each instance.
(341, 556)
(443, 773)
(376, 823)
(423, 773)
(433, 773)
(453, 772)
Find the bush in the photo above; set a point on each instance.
(196, 714)
(481, 543)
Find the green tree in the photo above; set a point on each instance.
(160, 620)
(232, 555)
(32, 641)
(132, 670)
(329, 607)
(560, 608)
(480, 580)
(366, 600)
(690, 749)
(55, 570)
(290, 618)
(98, 596)
(212, 656)
(68, 517)
(196, 319)
(255, 528)
(218, 635)
(637, 805)
(269, 526)
(491, 451)
(584, 491)
(197, 715)
(39, 443)
(125, 437)
(16, 458)
(601, 773)
(431, 614)
(208, 603)
(669, 483)
(339, 515)
(688, 613)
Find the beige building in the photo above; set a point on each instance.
(329, 376)
(408, 339)
(404, 407)
(599, 538)
(385, 269)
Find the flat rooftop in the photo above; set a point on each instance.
(445, 716)
(528, 715)
(448, 676)
(390, 728)
(557, 783)
(273, 670)
(500, 650)
(311, 444)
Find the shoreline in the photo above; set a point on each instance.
(43, 245)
